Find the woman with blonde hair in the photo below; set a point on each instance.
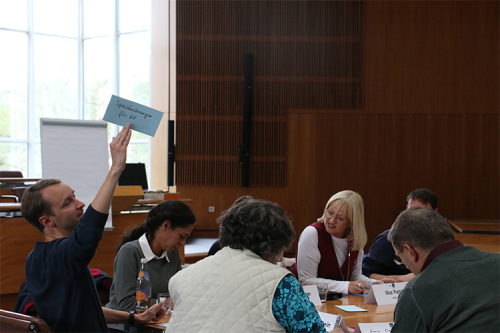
(330, 251)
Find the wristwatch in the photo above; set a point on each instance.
(131, 318)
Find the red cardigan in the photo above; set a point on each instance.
(328, 267)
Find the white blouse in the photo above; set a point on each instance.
(308, 258)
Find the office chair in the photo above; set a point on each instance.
(16, 322)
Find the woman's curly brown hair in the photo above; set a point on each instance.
(257, 225)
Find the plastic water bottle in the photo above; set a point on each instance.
(143, 288)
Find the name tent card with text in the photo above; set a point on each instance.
(373, 327)
(312, 292)
(143, 119)
(332, 321)
(385, 293)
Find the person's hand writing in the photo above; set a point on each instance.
(386, 280)
(118, 149)
(153, 313)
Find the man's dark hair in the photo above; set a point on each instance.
(425, 196)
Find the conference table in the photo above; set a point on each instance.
(374, 314)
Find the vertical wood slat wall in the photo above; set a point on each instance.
(307, 54)
(428, 117)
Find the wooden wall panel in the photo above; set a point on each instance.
(319, 66)
(432, 57)
(427, 116)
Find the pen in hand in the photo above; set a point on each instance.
(338, 321)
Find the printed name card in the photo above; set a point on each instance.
(373, 327)
(312, 292)
(385, 293)
(143, 119)
(332, 321)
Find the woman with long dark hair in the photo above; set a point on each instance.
(158, 239)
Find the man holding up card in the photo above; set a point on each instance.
(456, 288)
(58, 279)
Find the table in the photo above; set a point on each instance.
(376, 313)
(10, 209)
(10, 206)
(481, 234)
(17, 180)
(476, 226)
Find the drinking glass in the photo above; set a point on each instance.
(167, 302)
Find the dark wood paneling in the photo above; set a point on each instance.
(428, 115)
(318, 65)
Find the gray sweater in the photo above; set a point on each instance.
(127, 266)
(458, 292)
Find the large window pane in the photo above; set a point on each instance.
(13, 85)
(13, 14)
(56, 73)
(58, 17)
(134, 70)
(37, 156)
(13, 156)
(98, 71)
(134, 67)
(134, 15)
(62, 81)
(98, 17)
(138, 152)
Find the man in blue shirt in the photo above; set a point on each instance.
(57, 275)
(381, 261)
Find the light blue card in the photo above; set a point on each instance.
(351, 308)
(143, 119)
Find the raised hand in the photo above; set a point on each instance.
(118, 149)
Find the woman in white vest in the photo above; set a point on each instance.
(240, 288)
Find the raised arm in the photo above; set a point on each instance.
(118, 150)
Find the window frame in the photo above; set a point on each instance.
(32, 140)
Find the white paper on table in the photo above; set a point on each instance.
(329, 321)
(374, 327)
(351, 308)
(312, 292)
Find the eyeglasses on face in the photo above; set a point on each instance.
(330, 214)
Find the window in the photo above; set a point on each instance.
(64, 59)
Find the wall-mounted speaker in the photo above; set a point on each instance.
(247, 118)
(171, 153)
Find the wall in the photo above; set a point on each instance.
(18, 237)
(429, 118)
